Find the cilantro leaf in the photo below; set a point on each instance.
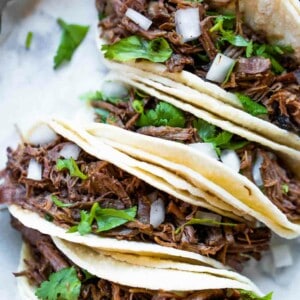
(220, 140)
(133, 47)
(234, 39)
(285, 188)
(63, 285)
(164, 114)
(104, 114)
(59, 203)
(251, 106)
(106, 218)
(71, 38)
(100, 96)
(70, 164)
(28, 40)
(248, 295)
(205, 222)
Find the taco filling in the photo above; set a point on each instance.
(147, 115)
(194, 36)
(51, 272)
(87, 195)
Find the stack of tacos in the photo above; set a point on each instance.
(125, 236)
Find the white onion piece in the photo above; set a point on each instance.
(231, 159)
(114, 89)
(206, 149)
(256, 171)
(70, 150)
(41, 135)
(157, 212)
(138, 18)
(219, 68)
(188, 23)
(282, 256)
(153, 196)
(34, 170)
(210, 216)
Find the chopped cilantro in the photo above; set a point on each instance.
(71, 38)
(106, 218)
(195, 221)
(273, 52)
(59, 203)
(248, 295)
(63, 285)
(251, 106)
(104, 114)
(70, 164)
(138, 106)
(133, 47)
(285, 188)
(49, 218)
(28, 40)
(100, 96)
(164, 114)
(220, 140)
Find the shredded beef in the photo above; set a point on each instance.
(169, 133)
(43, 263)
(177, 62)
(284, 110)
(275, 178)
(253, 65)
(111, 187)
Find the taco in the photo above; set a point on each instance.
(56, 269)
(85, 191)
(239, 62)
(255, 171)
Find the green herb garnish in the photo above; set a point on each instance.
(133, 47)
(71, 38)
(248, 295)
(28, 40)
(104, 114)
(164, 114)
(195, 221)
(251, 106)
(71, 165)
(285, 188)
(106, 218)
(100, 96)
(63, 285)
(59, 203)
(219, 139)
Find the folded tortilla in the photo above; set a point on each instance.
(35, 210)
(132, 275)
(280, 21)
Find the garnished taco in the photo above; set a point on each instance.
(255, 171)
(80, 189)
(56, 269)
(238, 60)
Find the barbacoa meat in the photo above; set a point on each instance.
(253, 76)
(111, 187)
(43, 263)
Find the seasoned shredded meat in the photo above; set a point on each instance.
(111, 187)
(279, 186)
(254, 76)
(43, 262)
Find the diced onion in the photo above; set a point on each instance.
(70, 150)
(210, 216)
(231, 159)
(114, 89)
(188, 23)
(206, 149)
(138, 18)
(219, 68)
(282, 256)
(34, 170)
(41, 135)
(157, 212)
(256, 171)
